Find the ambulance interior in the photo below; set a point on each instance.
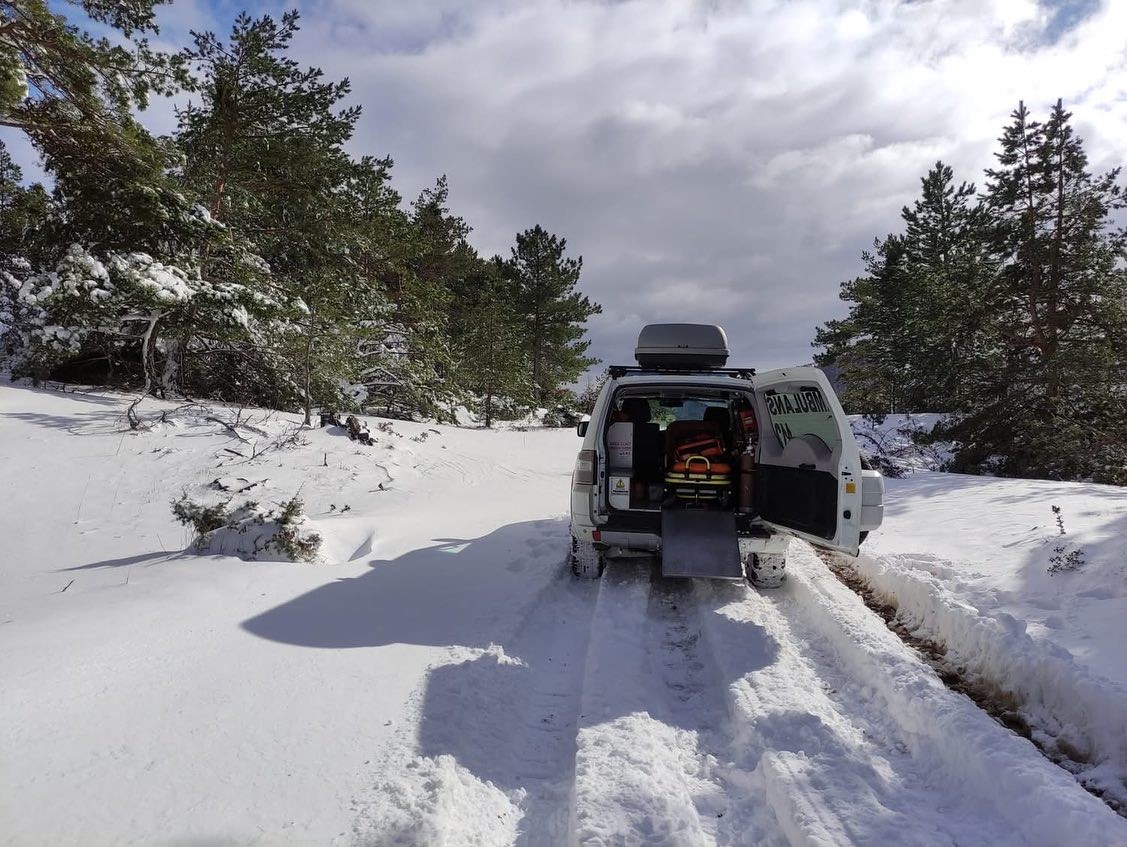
(691, 448)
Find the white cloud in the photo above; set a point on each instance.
(724, 160)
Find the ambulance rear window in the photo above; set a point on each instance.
(801, 412)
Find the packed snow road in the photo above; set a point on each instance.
(442, 679)
(673, 712)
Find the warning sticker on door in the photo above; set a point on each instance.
(620, 492)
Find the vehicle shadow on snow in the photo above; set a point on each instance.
(510, 713)
(457, 592)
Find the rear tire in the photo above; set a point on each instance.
(587, 562)
(767, 570)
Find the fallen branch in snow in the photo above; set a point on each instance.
(230, 427)
(131, 413)
(68, 585)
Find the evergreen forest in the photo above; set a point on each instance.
(249, 257)
(1005, 307)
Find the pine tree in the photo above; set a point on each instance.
(433, 262)
(869, 345)
(261, 117)
(265, 147)
(23, 212)
(492, 366)
(1052, 403)
(22, 215)
(553, 311)
(73, 94)
(949, 267)
(914, 326)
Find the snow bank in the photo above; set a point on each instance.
(1080, 714)
(948, 729)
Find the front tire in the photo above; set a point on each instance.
(587, 562)
(767, 570)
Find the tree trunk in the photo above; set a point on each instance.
(148, 366)
(309, 373)
(170, 376)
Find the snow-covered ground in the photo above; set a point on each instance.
(967, 562)
(440, 679)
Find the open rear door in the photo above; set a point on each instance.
(808, 477)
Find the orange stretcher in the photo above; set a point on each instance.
(697, 478)
(709, 446)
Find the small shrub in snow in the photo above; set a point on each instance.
(299, 546)
(202, 519)
(248, 532)
(1065, 560)
(1060, 519)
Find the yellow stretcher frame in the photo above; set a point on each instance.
(704, 477)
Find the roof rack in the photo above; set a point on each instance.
(621, 370)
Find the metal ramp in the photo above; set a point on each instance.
(696, 542)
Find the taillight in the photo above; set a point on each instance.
(585, 467)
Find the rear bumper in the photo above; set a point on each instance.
(641, 532)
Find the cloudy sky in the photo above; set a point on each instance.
(711, 160)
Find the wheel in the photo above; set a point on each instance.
(586, 561)
(767, 570)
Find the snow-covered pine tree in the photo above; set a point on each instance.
(264, 146)
(116, 214)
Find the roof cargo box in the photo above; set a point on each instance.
(682, 346)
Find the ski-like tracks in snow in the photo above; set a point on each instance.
(641, 710)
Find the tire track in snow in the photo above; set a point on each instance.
(553, 644)
(1074, 718)
(492, 759)
(652, 760)
(810, 762)
(857, 741)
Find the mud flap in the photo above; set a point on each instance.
(696, 542)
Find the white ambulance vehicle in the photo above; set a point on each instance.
(715, 469)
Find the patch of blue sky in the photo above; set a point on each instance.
(1066, 15)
